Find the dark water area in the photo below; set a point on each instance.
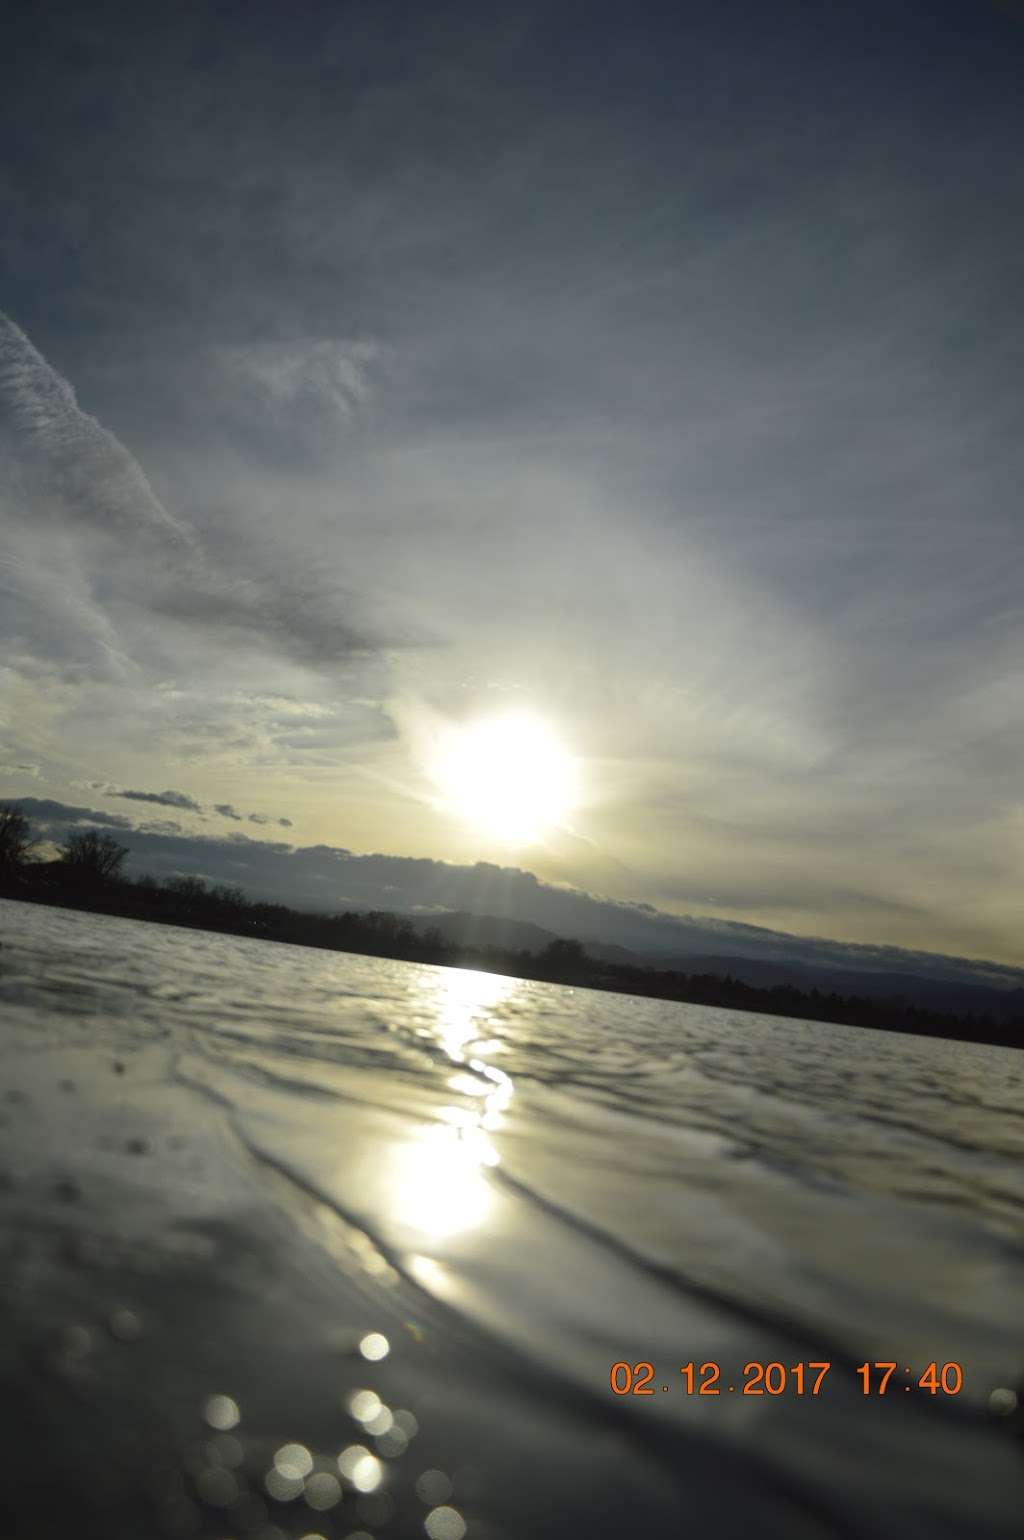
(299, 1243)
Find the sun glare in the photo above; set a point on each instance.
(508, 776)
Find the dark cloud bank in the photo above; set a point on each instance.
(328, 878)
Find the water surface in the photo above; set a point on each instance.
(256, 1156)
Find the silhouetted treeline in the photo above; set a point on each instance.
(191, 901)
(88, 876)
(895, 1014)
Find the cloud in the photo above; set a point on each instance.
(280, 395)
(189, 804)
(164, 798)
(227, 811)
(32, 770)
(160, 826)
(51, 815)
(69, 471)
(100, 481)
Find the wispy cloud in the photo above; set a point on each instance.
(163, 798)
(79, 478)
(189, 804)
(101, 483)
(299, 390)
(107, 597)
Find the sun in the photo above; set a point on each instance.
(508, 776)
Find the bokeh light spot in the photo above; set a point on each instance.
(323, 1491)
(282, 1488)
(433, 1487)
(364, 1405)
(445, 1524)
(362, 1468)
(293, 1461)
(374, 1346)
(222, 1413)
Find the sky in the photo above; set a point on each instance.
(646, 375)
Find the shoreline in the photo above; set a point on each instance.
(382, 934)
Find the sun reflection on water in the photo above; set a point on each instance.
(439, 1183)
(439, 1186)
(463, 999)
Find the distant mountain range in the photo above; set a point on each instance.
(511, 908)
(462, 928)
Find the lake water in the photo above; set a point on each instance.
(239, 1170)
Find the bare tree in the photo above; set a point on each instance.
(97, 854)
(16, 838)
(229, 899)
(187, 891)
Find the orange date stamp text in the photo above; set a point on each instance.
(883, 1377)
